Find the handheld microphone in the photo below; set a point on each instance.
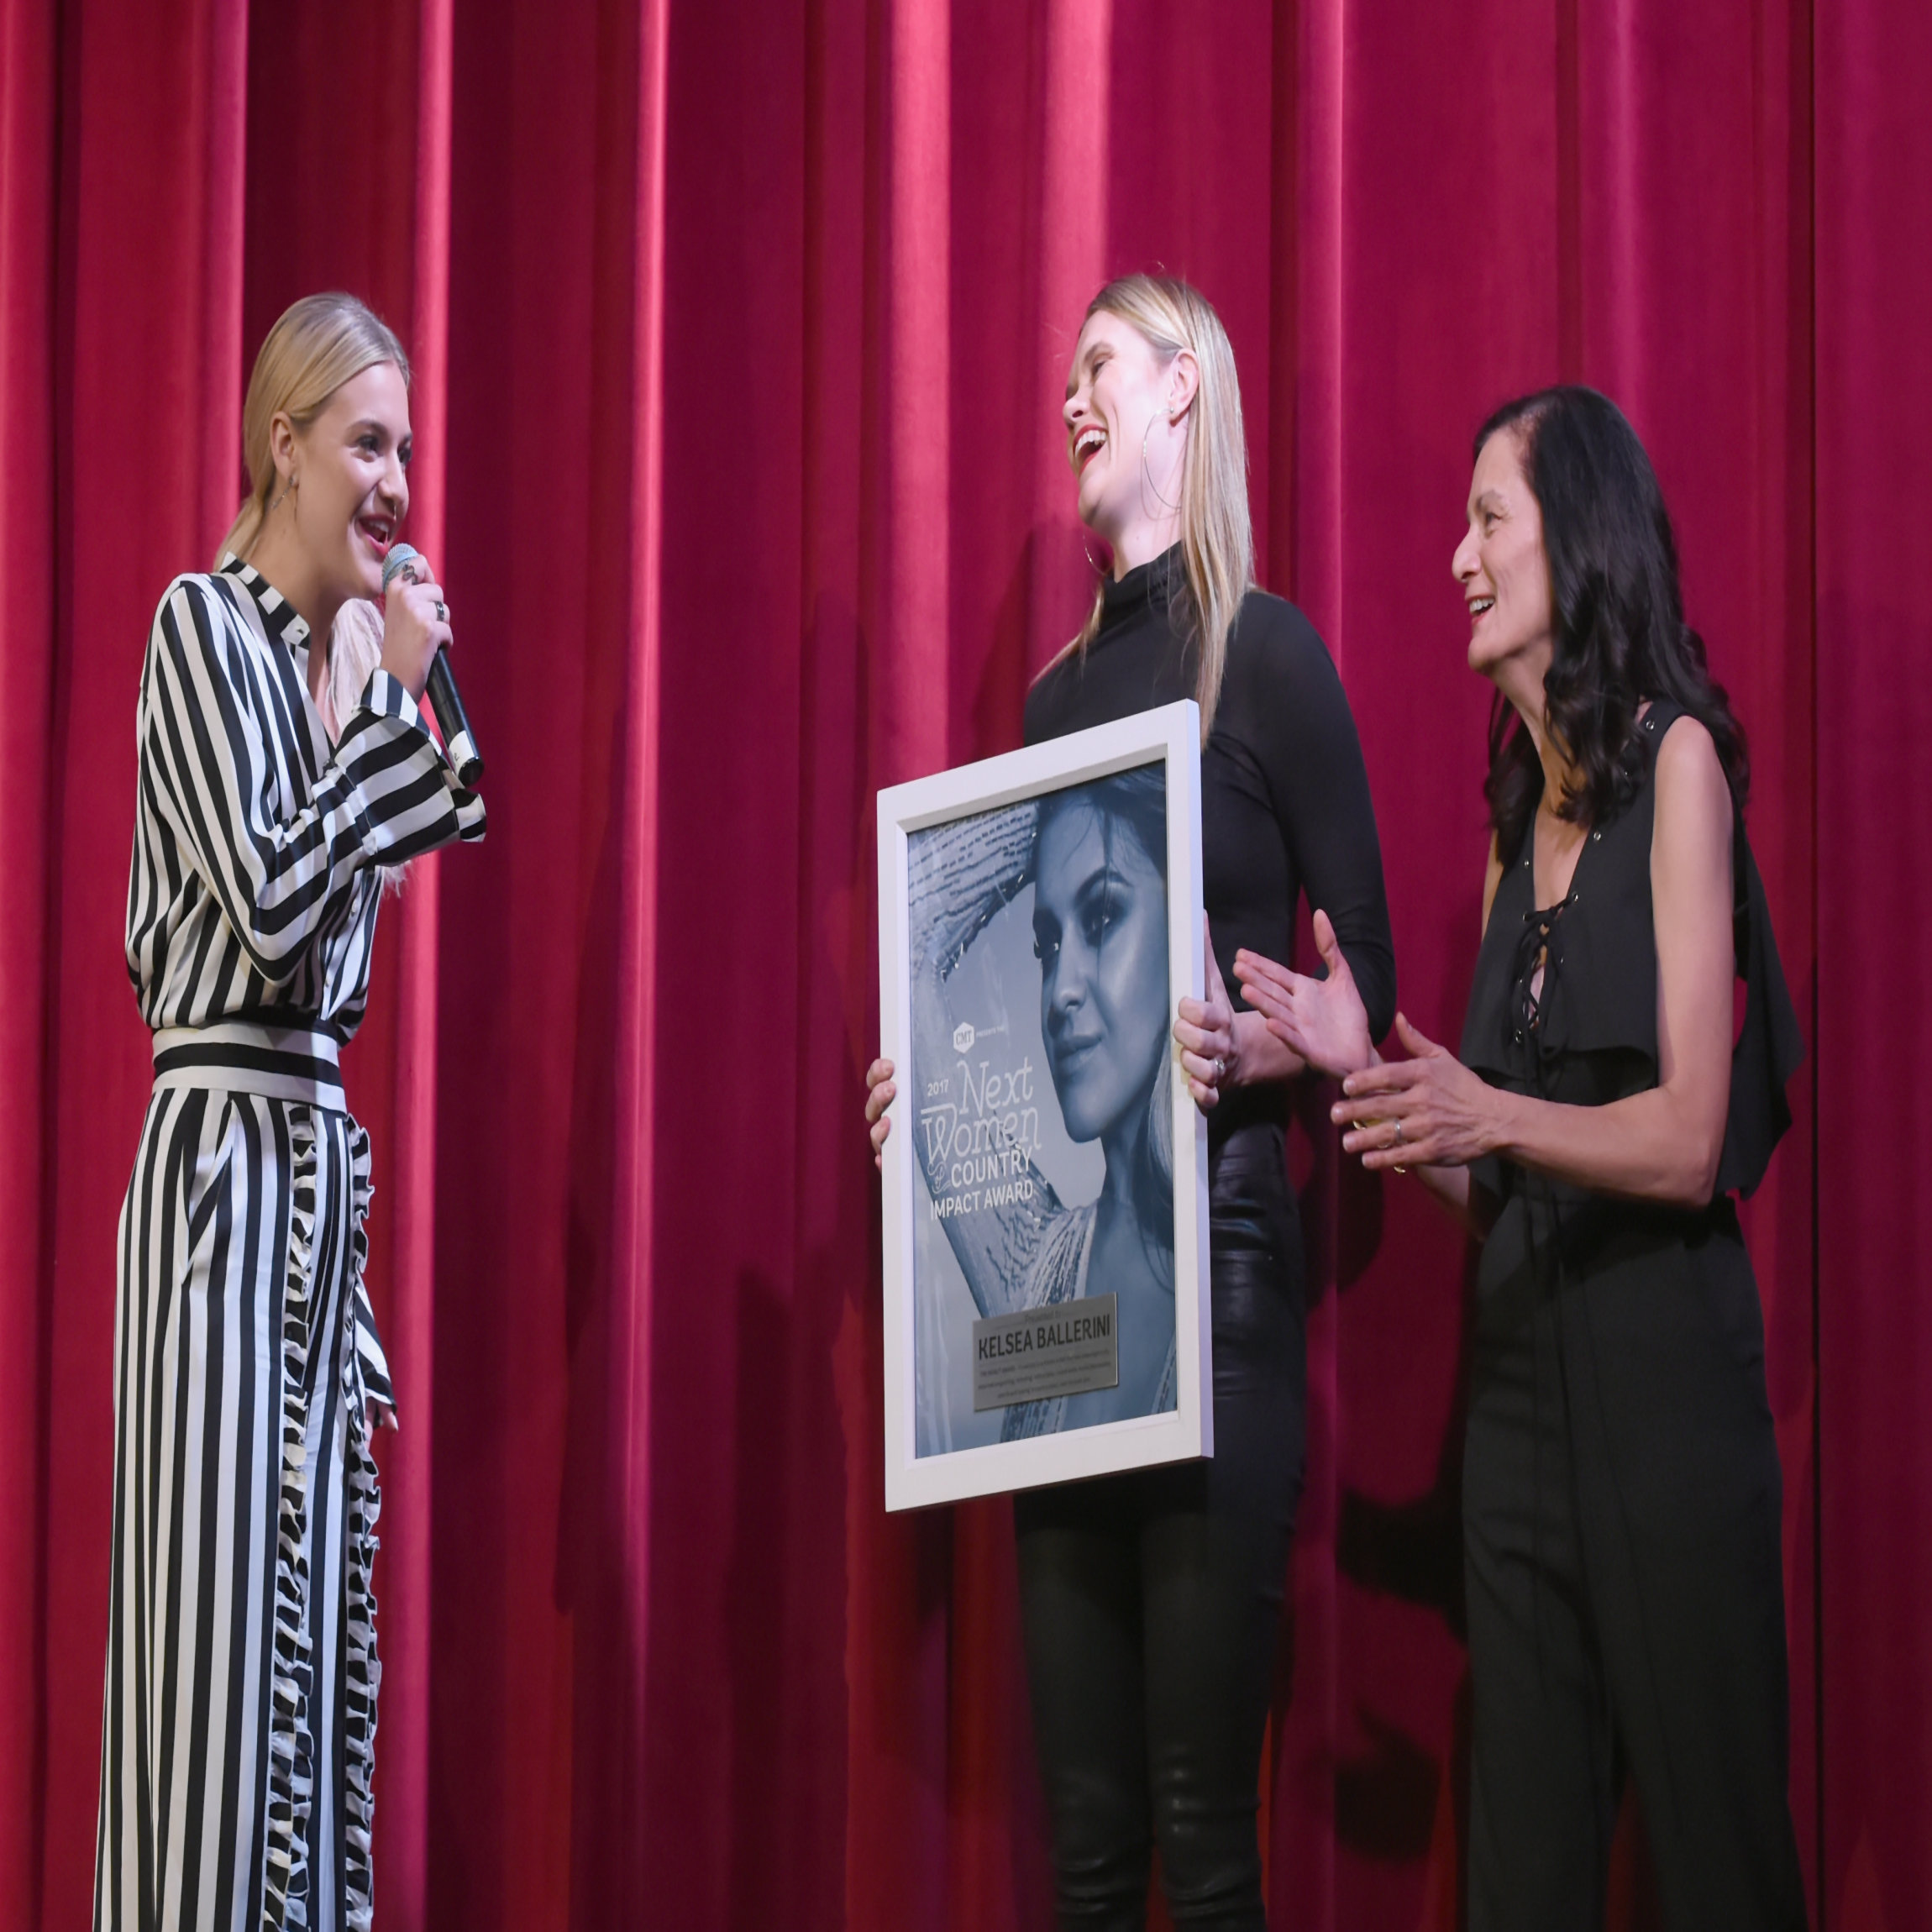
(445, 699)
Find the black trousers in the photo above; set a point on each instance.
(1151, 1601)
(1621, 1513)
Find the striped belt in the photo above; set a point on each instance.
(245, 1056)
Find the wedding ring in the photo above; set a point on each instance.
(442, 611)
(1398, 1141)
(1220, 1070)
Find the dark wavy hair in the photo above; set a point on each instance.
(1137, 798)
(1617, 616)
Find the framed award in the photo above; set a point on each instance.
(1045, 1181)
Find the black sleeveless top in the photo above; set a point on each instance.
(1590, 1036)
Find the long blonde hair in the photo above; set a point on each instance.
(315, 346)
(1217, 535)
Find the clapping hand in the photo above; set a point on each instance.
(1323, 1021)
(1428, 1111)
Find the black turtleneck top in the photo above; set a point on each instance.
(1284, 795)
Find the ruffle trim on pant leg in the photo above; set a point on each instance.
(364, 1506)
(290, 1774)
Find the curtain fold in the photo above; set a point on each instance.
(30, 93)
(1873, 821)
(740, 338)
(360, 199)
(148, 248)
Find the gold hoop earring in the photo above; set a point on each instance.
(1147, 472)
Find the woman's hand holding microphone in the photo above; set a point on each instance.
(415, 625)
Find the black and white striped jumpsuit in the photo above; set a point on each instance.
(239, 1718)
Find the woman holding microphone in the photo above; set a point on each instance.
(1621, 1489)
(1150, 1601)
(284, 775)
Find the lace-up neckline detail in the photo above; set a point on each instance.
(1533, 973)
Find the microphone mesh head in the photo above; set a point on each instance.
(399, 555)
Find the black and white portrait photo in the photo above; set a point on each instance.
(1041, 1077)
(1040, 979)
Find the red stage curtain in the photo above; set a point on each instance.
(1870, 554)
(739, 336)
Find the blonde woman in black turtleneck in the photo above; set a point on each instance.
(1151, 1600)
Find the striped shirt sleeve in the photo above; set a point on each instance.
(280, 875)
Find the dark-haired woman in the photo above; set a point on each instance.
(1621, 1488)
(1151, 1601)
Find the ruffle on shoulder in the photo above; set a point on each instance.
(1769, 1049)
(1599, 990)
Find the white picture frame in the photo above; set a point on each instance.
(949, 848)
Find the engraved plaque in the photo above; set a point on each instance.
(1067, 1348)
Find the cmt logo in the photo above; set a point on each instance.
(962, 1037)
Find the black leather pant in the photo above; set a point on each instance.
(1151, 1601)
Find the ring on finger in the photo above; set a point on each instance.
(1220, 1070)
(442, 611)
